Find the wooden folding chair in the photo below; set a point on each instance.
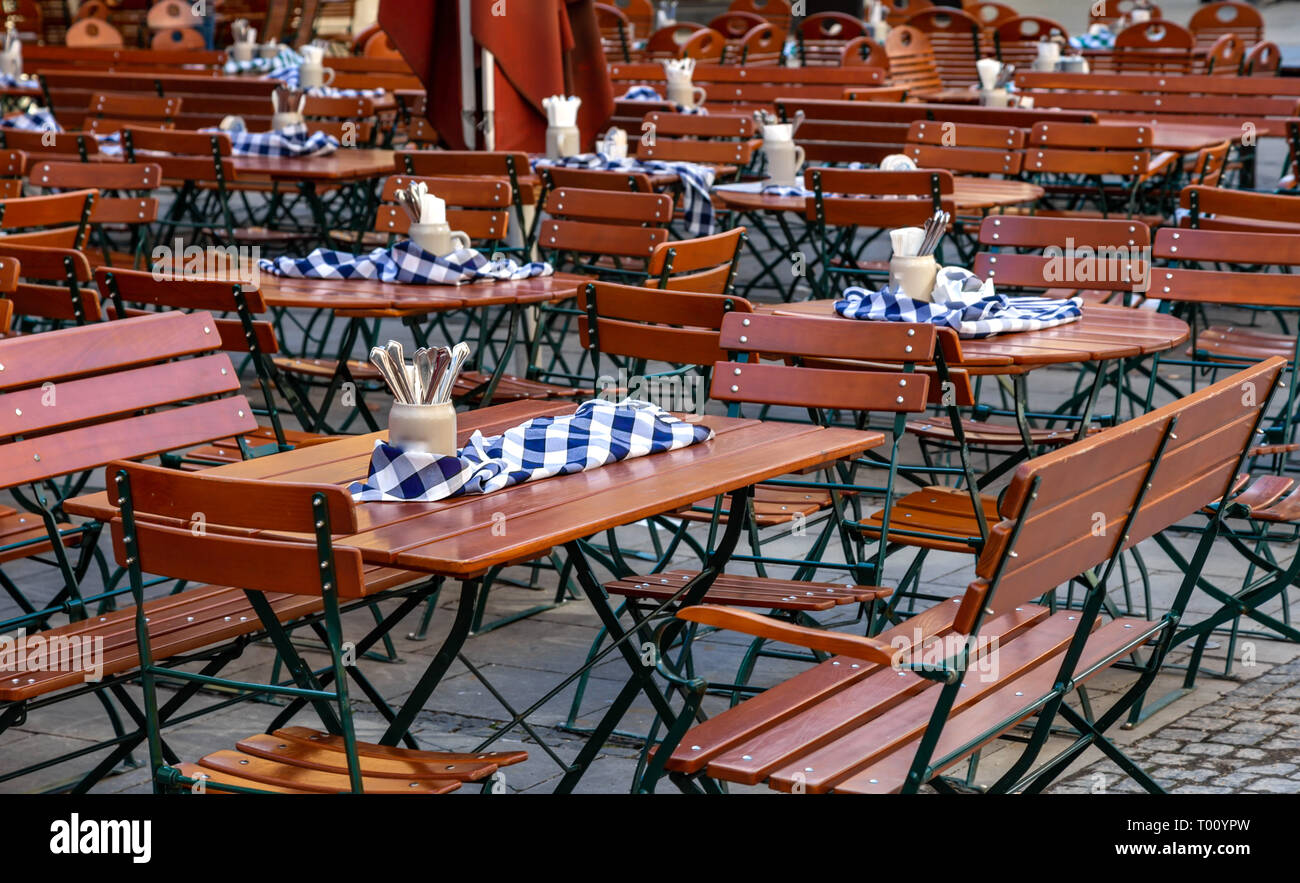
(1015, 40)
(684, 40)
(1214, 208)
(500, 164)
(822, 36)
(13, 166)
(847, 201)
(706, 265)
(911, 61)
(109, 113)
(293, 759)
(124, 201)
(40, 145)
(897, 711)
(56, 286)
(715, 139)
(615, 32)
(1215, 20)
(955, 39)
(60, 221)
(1110, 167)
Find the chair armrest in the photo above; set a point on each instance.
(852, 646)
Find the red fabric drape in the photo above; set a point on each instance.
(542, 48)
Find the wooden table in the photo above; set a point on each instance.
(461, 539)
(1180, 137)
(341, 166)
(1104, 333)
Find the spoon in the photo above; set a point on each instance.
(459, 354)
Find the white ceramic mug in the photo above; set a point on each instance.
(914, 277)
(784, 160)
(995, 98)
(438, 239)
(686, 95)
(562, 141)
(242, 52)
(311, 76)
(426, 429)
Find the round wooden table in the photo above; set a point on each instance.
(1105, 332)
(969, 194)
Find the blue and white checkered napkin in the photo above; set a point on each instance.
(290, 141)
(697, 181)
(36, 119)
(1104, 38)
(783, 190)
(963, 302)
(286, 58)
(11, 82)
(406, 263)
(598, 433)
(649, 93)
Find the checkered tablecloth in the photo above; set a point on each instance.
(405, 263)
(290, 141)
(598, 433)
(697, 180)
(963, 302)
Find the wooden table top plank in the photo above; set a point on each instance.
(369, 297)
(969, 194)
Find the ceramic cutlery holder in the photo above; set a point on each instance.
(914, 277)
(429, 429)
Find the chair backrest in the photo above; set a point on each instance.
(1213, 208)
(107, 177)
(706, 265)
(1225, 56)
(631, 322)
(1038, 253)
(684, 40)
(763, 45)
(1207, 168)
(682, 137)
(822, 36)
(864, 51)
(459, 163)
(777, 12)
(352, 120)
(989, 15)
(1189, 282)
(897, 12)
(911, 60)
(1015, 40)
(1155, 34)
(955, 39)
(1156, 46)
(986, 150)
(1076, 508)
(159, 498)
(93, 32)
(36, 144)
(640, 14)
(615, 32)
(1111, 11)
(874, 199)
(191, 157)
(56, 283)
(597, 179)
(735, 25)
(13, 165)
(1262, 60)
(59, 220)
(885, 391)
(1079, 149)
(107, 113)
(177, 38)
(592, 223)
(125, 390)
(479, 207)
(1213, 20)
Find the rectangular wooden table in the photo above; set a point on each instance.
(461, 538)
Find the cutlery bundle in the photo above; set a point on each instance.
(429, 380)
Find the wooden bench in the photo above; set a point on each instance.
(895, 711)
